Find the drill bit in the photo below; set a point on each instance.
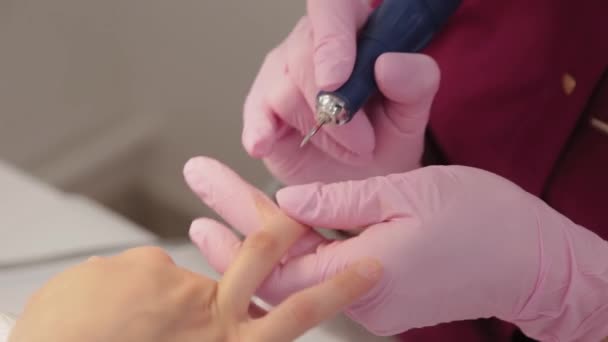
(313, 131)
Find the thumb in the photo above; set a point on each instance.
(409, 83)
(335, 24)
(348, 205)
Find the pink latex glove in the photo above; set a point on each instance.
(456, 243)
(319, 54)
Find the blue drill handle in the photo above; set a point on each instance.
(395, 26)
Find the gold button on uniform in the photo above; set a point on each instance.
(568, 83)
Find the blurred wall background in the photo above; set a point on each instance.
(110, 98)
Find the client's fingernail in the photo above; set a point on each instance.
(369, 269)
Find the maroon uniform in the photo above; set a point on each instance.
(522, 96)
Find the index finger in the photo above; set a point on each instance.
(258, 256)
(335, 24)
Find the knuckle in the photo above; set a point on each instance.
(195, 292)
(347, 287)
(262, 242)
(302, 311)
(302, 32)
(94, 258)
(304, 24)
(300, 44)
(273, 56)
(152, 254)
(330, 44)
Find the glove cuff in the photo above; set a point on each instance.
(570, 301)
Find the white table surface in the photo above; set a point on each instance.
(43, 231)
(38, 222)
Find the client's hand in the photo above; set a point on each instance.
(141, 295)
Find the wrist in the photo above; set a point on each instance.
(569, 302)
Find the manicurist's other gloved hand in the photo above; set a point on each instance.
(455, 243)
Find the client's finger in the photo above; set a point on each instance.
(310, 307)
(220, 246)
(257, 257)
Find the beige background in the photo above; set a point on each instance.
(96, 96)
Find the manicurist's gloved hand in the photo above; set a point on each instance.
(319, 55)
(455, 243)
